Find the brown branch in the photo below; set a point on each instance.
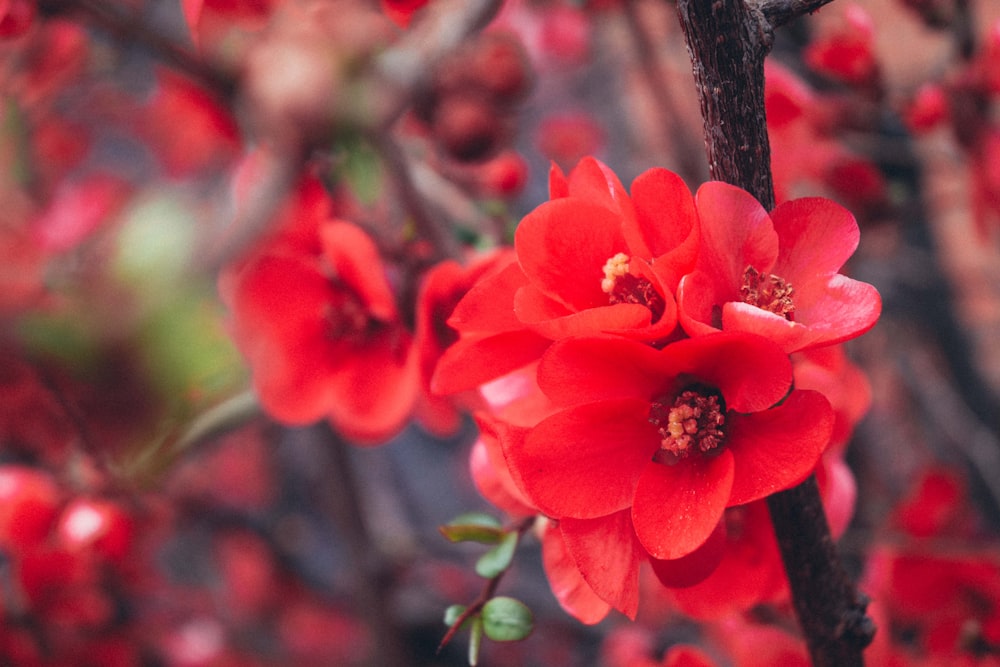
(728, 41)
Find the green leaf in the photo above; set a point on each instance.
(497, 559)
(475, 640)
(473, 527)
(452, 613)
(506, 619)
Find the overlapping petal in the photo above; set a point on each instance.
(677, 507)
(562, 246)
(584, 462)
(778, 448)
(665, 226)
(567, 582)
(609, 556)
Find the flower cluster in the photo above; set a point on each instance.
(638, 359)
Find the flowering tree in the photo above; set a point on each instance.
(326, 320)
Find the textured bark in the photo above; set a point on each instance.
(728, 41)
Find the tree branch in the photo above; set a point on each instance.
(780, 12)
(129, 28)
(728, 41)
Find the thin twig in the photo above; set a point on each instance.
(780, 12)
(485, 595)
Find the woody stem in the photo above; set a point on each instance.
(728, 41)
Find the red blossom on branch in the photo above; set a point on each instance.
(676, 435)
(775, 274)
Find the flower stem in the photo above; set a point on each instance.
(728, 41)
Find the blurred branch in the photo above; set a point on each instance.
(685, 150)
(372, 586)
(400, 70)
(727, 46)
(425, 224)
(130, 28)
(215, 422)
(955, 426)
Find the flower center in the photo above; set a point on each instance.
(692, 422)
(347, 319)
(769, 292)
(623, 287)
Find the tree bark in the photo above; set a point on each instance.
(728, 41)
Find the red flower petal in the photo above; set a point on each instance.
(677, 507)
(558, 185)
(277, 305)
(593, 181)
(489, 304)
(584, 462)
(698, 299)
(751, 372)
(686, 656)
(609, 556)
(846, 309)
(375, 388)
(589, 322)
(357, 263)
(563, 245)
(476, 359)
(492, 477)
(584, 370)
(789, 336)
(736, 232)
(666, 222)
(567, 583)
(817, 236)
(750, 572)
(696, 566)
(778, 448)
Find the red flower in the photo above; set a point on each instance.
(677, 434)
(323, 337)
(775, 275)
(442, 288)
(591, 261)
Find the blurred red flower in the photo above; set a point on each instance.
(323, 336)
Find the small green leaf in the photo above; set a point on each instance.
(506, 619)
(452, 613)
(497, 559)
(475, 640)
(473, 527)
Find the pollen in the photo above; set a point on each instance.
(624, 287)
(769, 292)
(614, 268)
(691, 423)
